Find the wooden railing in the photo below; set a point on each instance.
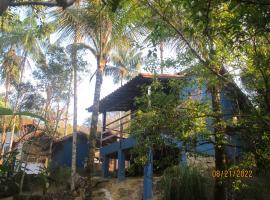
(115, 131)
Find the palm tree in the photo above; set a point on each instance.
(126, 64)
(9, 73)
(23, 35)
(26, 35)
(103, 29)
(106, 30)
(75, 109)
(68, 104)
(73, 30)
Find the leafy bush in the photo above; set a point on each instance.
(183, 182)
(9, 177)
(256, 188)
(60, 175)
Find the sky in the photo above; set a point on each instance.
(85, 88)
(86, 93)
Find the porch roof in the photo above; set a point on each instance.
(123, 99)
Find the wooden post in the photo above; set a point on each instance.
(148, 177)
(105, 166)
(103, 121)
(148, 168)
(103, 127)
(121, 165)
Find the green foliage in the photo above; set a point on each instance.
(26, 35)
(126, 62)
(60, 175)
(7, 111)
(255, 188)
(9, 177)
(54, 75)
(182, 182)
(223, 40)
(169, 110)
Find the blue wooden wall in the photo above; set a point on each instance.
(228, 108)
(62, 150)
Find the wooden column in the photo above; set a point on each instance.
(148, 177)
(121, 165)
(148, 168)
(104, 121)
(105, 166)
(103, 127)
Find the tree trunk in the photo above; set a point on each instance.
(93, 128)
(4, 134)
(68, 104)
(94, 120)
(17, 102)
(74, 138)
(120, 115)
(161, 49)
(219, 133)
(53, 132)
(23, 175)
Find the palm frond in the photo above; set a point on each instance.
(8, 111)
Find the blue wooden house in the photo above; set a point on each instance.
(123, 99)
(62, 151)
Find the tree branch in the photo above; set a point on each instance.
(205, 63)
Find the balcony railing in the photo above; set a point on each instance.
(115, 130)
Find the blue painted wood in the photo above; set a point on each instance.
(128, 143)
(205, 148)
(226, 105)
(105, 166)
(148, 177)
(109, 149)
(114, 147)
(118, 147)
(121, 165)
(183, 156)
(62, 151)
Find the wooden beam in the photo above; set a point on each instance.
(104, 121)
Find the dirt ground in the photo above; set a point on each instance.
(130, 189)
(105, 189)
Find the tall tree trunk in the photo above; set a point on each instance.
(219, 133)
(105, 30)
(68, 104)
(94, 120)
(54, 131)
(4, 134)
(120, 114)
(161, 49)
(23, 174)
(93, 128)
(17, 101)
(74, 138)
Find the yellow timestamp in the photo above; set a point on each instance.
(237, 173)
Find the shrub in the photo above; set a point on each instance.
(60, 175)
(183, 182)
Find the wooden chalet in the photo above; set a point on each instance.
(116, 143)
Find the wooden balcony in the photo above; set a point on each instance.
(116, 130)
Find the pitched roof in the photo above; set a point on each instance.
(123, 98)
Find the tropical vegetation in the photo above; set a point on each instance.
(45, 53)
